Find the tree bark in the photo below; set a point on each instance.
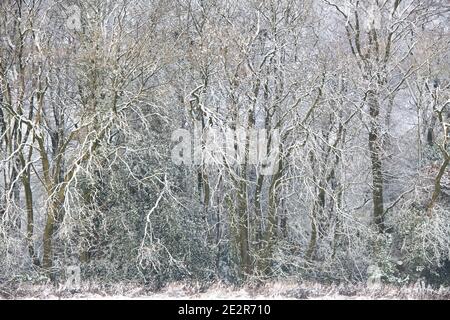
(375, 157)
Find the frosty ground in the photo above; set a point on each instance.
(272, 291)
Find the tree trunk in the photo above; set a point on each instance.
(243, 229)
(30, 217)
(47, 260)
(375, 157)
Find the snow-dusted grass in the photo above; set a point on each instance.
(272, 291)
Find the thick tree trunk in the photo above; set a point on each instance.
(258, 212)
(272, 219)
(375, 157)
(243, 229)
(47, 260)
(317, 211)
(30, 217)
(52, 218)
